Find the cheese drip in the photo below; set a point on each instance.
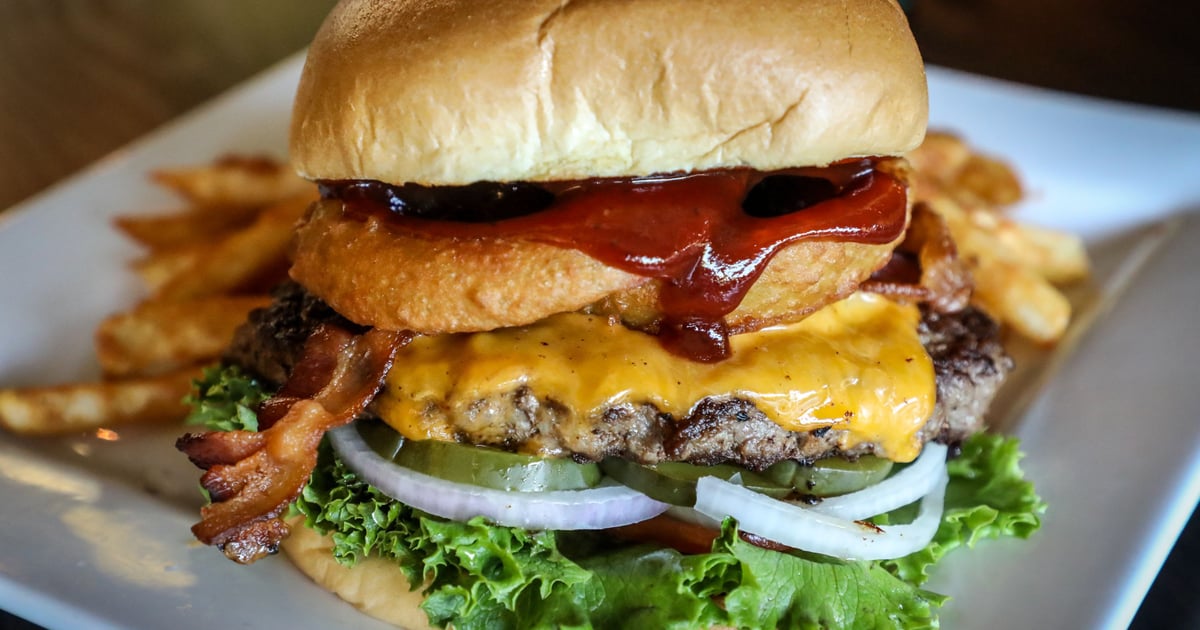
(856, 366)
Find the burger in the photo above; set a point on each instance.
(613, 313)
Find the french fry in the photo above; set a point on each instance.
(1059, 257)
(1015, 266)
(987, 181)
(234, 181)
(233, 234)
(83, 406)
(195, 225)
(1005, 286)
(1022, 299)
(241, 257)
(945, 163)
(940, 157)
(159, 337)
(160, 268)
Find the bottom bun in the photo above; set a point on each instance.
(375, 586)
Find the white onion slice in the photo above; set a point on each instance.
(595, 508)
(899, 490)
(803, 528)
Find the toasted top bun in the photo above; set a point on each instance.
(448, 92)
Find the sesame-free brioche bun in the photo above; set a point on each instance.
(375, 586)
(449, 92)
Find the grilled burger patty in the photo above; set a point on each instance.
(969, 362)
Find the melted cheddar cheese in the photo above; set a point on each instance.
(856, 366)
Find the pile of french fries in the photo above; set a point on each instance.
(211, 263)
(206, 267)
(1017, 268)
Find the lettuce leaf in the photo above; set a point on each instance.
(788, 591)
(484, 576)
(661, 588)
(477, 575)
(988, 497)
(224, 399)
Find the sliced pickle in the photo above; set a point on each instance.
(830, 477)
(478, 465)
(382, 439)
(675, 482)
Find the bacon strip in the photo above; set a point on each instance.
(945, 280)
(253, 477)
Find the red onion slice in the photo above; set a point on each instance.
(595, 508)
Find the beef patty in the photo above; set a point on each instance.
(968, 359)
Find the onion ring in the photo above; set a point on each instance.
(945, 282)
(380, 274)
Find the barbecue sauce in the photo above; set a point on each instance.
(707, 236)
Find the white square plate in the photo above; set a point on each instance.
(95, 533)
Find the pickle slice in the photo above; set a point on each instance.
(830, 477)
(675, 482)
(479, 465)
(382, 439)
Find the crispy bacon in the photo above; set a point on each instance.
(206, 452)
(936, 276)
(253, 477)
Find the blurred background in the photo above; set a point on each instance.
(79, 79)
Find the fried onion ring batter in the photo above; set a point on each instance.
(380, 275)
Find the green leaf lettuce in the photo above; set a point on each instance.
(477, 575)
(224, 399)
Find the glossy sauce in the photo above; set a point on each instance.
(708, 236)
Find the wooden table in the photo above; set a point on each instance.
(80, 79)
